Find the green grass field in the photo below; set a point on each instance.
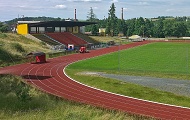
(156, 59)
(168, 60)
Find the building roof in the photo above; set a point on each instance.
(57, 23)
(135, 37)
(27, 22)
(35, 54)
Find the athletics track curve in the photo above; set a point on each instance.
(49, 77)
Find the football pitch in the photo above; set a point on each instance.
(161, 59)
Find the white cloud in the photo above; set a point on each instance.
(125, 9)
(175, 10)
(60, 6)
(91, 0)
(170, 10)
(96, 8)
(84, 0)
(143, 3)
(114, 1)
(132, 8)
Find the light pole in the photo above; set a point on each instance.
(187, 60)
(119, 56)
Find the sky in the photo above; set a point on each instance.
(10, 9)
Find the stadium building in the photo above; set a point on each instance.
(55, 33)
(33, 27)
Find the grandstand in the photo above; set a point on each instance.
(67, 38)
(57, 32)
(87, 38)
(46, 39)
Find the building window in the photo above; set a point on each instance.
(57, 29)
(41, 29)
(32, 29)
(63, 29)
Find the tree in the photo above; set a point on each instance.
(111, 28)
(180, 29)
(187, 23)
(130, 26)
(148, 28)
(168, 28)
(94, 30)
(91, 16)
(102, 23)
(158, 28)
(121, 26)
(161, 27)
(139, 26)
(3, 27)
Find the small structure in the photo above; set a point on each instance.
(83, 50)
(37, 57)
(102, 31)
(135, 38)
(111, 42)
(70, 47)
(120, 34)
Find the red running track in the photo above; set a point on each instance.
(49, 77)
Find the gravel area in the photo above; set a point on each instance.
(179, 87)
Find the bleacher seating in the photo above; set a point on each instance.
(67, 38)
(87, 38)
(45, 39)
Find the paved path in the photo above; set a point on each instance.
(49, 78)
(179, 87)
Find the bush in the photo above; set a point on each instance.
(42, 43)
(3, 27)
(61, 53)
(5, 55)
(18, 47)
(2, 35)
(11, 84)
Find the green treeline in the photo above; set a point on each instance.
(160, 27)
(157, 27)
(145, 27)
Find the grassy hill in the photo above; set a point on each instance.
(13, 48)
(39, 105)
(109, 38)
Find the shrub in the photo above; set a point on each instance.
(3, 27)
(18, 47)
(5, 55)
(42, 43)
(2, 35)
(11, 84)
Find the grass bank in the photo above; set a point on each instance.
(106, 39)
(43, 107)
(13, 48)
